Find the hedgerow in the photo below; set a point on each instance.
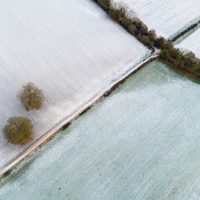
(127, 18)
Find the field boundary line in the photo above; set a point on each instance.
(6, 169)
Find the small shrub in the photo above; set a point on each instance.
(143, 29)
(104, 4)
(137, 22)
(31, 97)
(145, 40)
(18, 130)
(173, 56)
(152, 35)
(164, 54)
(125, 22)
(168, 44)
(190, 61)
(160, 42)
(117, 11)
(132, 29)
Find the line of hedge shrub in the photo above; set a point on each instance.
(127, 18)
(183, 60)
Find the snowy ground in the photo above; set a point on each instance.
(69, 49)
(142, 142)
(167, 17)
(191, 43)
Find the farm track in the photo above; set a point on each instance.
(5, 170)
(8, 167)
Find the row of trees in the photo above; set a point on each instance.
(127, 18)
(180, 59)
(19, 130)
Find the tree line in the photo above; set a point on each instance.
(126, 17)
(182, 60)
(175, 57)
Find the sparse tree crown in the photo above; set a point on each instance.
(31, 97)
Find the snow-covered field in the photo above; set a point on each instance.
(69, 49)
(167, 17)
(191, 43)
(142, 142)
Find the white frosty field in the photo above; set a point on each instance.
(69, 49)
(167, 17)
(142, 143)
(191, 43)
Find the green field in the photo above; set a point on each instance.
(141, 142)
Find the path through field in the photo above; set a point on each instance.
(144, 146)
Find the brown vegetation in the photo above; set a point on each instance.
(120, 13)
(31, 97)
(126, 17)
(182, 60)
(18, 130)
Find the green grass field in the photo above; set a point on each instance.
(141, 142)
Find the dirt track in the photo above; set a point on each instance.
(58, 127)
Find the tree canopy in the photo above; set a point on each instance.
(31, 96)
(18, 130)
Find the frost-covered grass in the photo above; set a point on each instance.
(142, 142)
(167, 17)
(69, 49)
(191, 43)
